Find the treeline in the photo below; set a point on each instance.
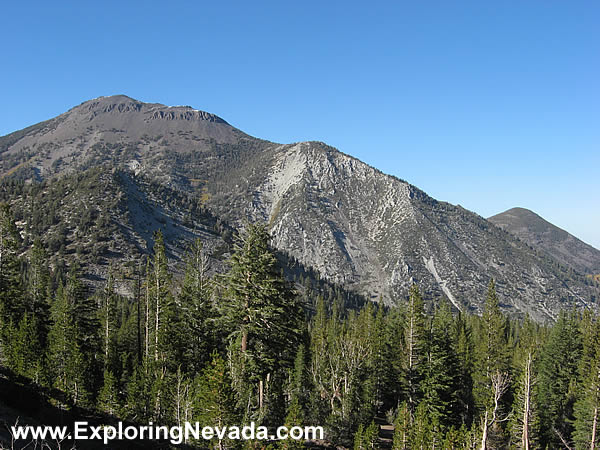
(244, 346)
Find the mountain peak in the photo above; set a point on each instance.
(538, 232)
(119, 104)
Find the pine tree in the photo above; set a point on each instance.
(587, 407)
(11, 286)
(366, 438)
(439, 370)
(65, 358)
(464, 349)
(107, 316)
(215, 404)
(195, 331)
(38, 291)
(414, 335)
(108, 398)
(557, 380)
(492, 376)
(402, 428)
(265, 318)
(524, 421)
(23, 350)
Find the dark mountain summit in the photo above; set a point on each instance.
(355, 225)
(563, 246)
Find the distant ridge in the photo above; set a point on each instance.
(356, 226)
(538, 232)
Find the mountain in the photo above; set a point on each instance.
(370, 232)
(562, 246)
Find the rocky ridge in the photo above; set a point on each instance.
(371, 232)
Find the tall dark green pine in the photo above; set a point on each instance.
(160, 316)
(107, 317)
(65, 358)
(462, 338)
(492, 371)
(11, 286)
(214, 402)
(24, 354)
(587, 407)
(108, 399)
(440, 372)
(195, 330)
(414, 343)
(38, 289)
(557, 381)
(524, 422)
(319, 369)
(264, 317)
(84, 312)
(297, 393)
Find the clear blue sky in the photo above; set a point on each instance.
(489, 104)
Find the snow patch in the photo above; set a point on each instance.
(431, 268)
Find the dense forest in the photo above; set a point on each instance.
(247, 345)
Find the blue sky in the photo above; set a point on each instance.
(485, 104)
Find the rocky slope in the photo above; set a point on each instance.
(563, 246)
(357, 226)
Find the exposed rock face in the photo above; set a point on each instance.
(535, 231)
(358, 226)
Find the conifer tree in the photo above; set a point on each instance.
(108, 398)
(492, 376)
(557, 381)
(524, 421)
(265, 318)
(195, 330)
(402, 428)
(587, 407)
(38, 290)
(414, 335)
(65, 358)
(107, 316)
(215, 403)
(439, 371)
(23, 350)
(11, 287)
(464, 350)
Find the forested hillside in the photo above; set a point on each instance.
(246, 345)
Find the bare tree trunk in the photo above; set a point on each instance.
(157, 322)
(527, 403)
(261, 394)
(147, 323)
(594, 427)
(484, 433)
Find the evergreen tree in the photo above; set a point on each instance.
(524, 421)
(402, 428)
(65, 358)
(38, 290)
(108, 398)
(491, 375)
(195, 331)
(23, 350)
(414, 336)
(11, 286)
(366, 438)
(107, 316)
(265, 318)
(557, 381)
(464, 350)
(215, 404)
(587, 407)
(439, 371)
